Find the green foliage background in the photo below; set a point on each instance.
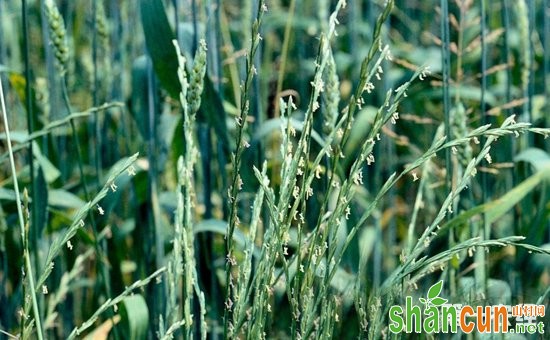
(119, 94)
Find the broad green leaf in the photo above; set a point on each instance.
(7, 194)
(64, 199)
(538, 158)
(158, 38)
(134, 315)
(502, 205)
(41, 205)
(140, 98)
(212, 111)
(495, 209)
(367, 240)
(51, 173)
(435, 290)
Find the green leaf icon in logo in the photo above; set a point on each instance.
(438, 301)
(435, 290)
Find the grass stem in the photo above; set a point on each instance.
(24, 241)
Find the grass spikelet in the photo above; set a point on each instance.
(196, 79)
(267, 188)
(58, 35)
(110, 303)
(332, 96)
(79, 217)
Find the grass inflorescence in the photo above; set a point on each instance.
(306, 165)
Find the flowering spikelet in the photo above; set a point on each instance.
(196, 78)
(332, 96)
(102, 29)
(459, 129)
(523, 25)
(42, 96)
(102, 25)
(182, 75)
(58, 35)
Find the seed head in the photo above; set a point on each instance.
(58, 35)
(196, 81)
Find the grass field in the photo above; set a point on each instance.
(282, 169)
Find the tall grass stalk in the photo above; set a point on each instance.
(34, 232)
(546, 11)
(302, 243)
(58, 38)
(184, 253)
(2, 48)
(284, 50)
(153, 210)
(212, 12)
(525, 52)
(484, 233)
(67, 280)
(236, 181)
(53, 107)
(531, 17)
(98, 25)
(505, 14)
(87, 210)
(446, 62)
(64, 240)
(23, 227)
(110, 303)
(413, 262)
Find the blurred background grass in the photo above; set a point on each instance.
(116, 56)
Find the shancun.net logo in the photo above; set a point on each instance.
(438, 316)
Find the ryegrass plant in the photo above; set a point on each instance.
(312, 186)
(24, 228)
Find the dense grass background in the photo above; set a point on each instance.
(333, 239)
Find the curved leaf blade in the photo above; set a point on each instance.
(134, 317)
(158, 38)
